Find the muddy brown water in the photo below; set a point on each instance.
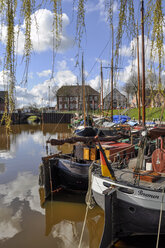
(24, 220)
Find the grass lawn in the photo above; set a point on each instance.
(151, 113)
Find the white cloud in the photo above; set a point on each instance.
(62, 65)
(95, 83)
(65, 78)
(30, 75)
(124, 75)
(23, 97)
(39, 94)
(4, 79)
(127, 50)
(100, 6)
(45, 73)
(41, 33)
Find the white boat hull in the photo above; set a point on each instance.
(138, 210)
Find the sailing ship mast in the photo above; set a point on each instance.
(139, 107)
(143, 64)
(83, 91)
(101, 96)
(112, 76)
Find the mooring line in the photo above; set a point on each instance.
(89, 204)
(160, 219)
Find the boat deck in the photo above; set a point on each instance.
(126, 175)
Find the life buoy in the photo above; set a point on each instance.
(158, 160)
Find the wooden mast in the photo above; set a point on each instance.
(139, 107)
(101, 96)
(112, 76)
(83, 90)
(143, 64)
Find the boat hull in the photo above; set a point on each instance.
(70, 175)
(138, 210)
(65, 174)
(86, 132)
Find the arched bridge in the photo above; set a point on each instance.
(25, 116)
(46, 117)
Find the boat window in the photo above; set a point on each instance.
(106, 184)
(126, 190)
(132, 209)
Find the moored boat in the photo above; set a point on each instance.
(134, 194)
(87, 131)
(70, 171)
(63, 172)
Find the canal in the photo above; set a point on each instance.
(24, 220)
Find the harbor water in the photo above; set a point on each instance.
(25, 219)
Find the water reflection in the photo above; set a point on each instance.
(20, 135)
(4, 140)
(12, 199)
(2, 168)
(64, 217)
(25, 221)
(9, 223)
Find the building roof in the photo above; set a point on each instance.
(75, 90)
(3, 94)
(114, 91)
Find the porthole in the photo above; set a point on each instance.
(132, 210)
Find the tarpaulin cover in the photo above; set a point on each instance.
(120, 118)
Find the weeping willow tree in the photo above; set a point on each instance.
(154, 23)
(10, 9)
(8, 12)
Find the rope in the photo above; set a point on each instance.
(160, 219)
(83, 226)
(97, 60)
(88, 201)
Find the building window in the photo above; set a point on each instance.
(60, 106)
(95, 98)
(73, 98)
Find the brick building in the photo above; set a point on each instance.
(70, 98)
(119, 100)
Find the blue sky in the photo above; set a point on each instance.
(95, 47)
